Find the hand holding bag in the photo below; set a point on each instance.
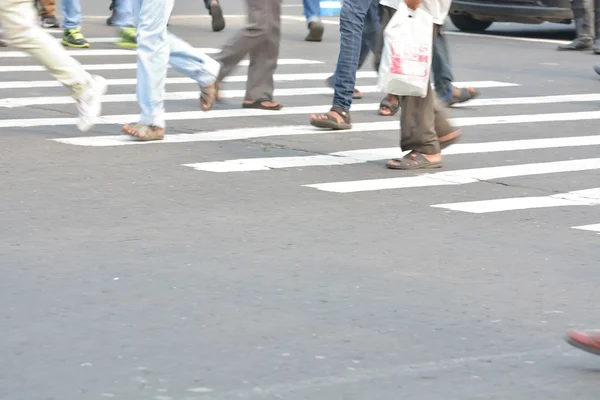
(407, 52)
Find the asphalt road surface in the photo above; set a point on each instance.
(249, 256)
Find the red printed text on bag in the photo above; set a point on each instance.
(413, 61)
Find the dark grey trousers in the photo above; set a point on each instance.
(260, 40)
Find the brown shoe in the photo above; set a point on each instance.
(589, 342)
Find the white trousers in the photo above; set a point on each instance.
(19, 18)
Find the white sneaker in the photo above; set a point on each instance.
(89, 104)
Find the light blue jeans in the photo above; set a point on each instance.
(124, 14)
(156, 49)
(359, 23)
(71, 11)
(312, 10)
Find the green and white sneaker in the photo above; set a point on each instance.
(128, 38)
(74, 38)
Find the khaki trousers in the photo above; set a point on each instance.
(47, 8)
(19, 18)
(423, 121)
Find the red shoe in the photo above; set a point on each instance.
(589, 342)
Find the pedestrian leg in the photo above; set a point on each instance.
(390, 105)
(263, 63)
(72, 36)
(48, 14)
(365, 49)
(152, 63)
(352, 20)
(596, 48)
(197, 66)
(123, 19)
(216, 12)
(19, 20)
(424, 131)
(251, 38)
(312, 12)
(583, 16)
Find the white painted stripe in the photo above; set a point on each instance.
(99, 39)
(96, 52)
(459, 177)
(247, 133)
(216, 136)
(302, 19)
(234, 78)
(589, 197)
(50, 30)
(238, 113)
(133, 66)
(593, 228)
(366, 155)
(121, 98)
(513, 101)
(47, 30)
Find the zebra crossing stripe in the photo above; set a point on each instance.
(368, 155)
(303, 91)
(133, 66)
(318, 76)
(590, 197)
(248, 133)
(186, 80)
(97, 52)
(592, 228)
(459, 177)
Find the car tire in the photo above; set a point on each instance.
(466, 23)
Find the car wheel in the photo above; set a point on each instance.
(466, 23)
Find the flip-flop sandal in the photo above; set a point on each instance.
(464, 95)
(331, 122)
(218, 22)
(258, 104)
(449, 142)
(586, 343)
(393, 107)
(413, 160)
(144, 133)
(583, 347)
(209, 96)
(356, 95)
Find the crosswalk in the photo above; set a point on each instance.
(300, 81)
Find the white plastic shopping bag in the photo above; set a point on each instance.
(407, 52)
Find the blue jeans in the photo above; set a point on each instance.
(359, 23)
(156, 49)
(124, 14)
(312, 10)
(71, 10)
(441, 69)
